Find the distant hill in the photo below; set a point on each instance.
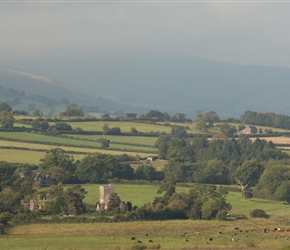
(185, 84)
(171, 84)
(27, 91)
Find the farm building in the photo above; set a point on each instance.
(250, 130)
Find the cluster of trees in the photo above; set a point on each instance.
(155, 115)
(202, 202)
(275, 181)
(218, 161)
(6, 116)
(41, 124)
(205, 121)
(266, 119)
(16, 186)
(16, 182)
(99, 168)
(95, 168)
(73, 110)
(69, 201)
(111, 131)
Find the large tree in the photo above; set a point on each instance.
(6, 119)
(58, 164)
(73, 110)
(247, 175)
(5, 107)
(99, 168)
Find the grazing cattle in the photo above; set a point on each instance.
(133, 238)
(147, 234)
(187, 240)
(220, 232)
(210, 239)
(139, 241)
(236, 228)
(151, 241)
(233, 240)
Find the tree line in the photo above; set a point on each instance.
(266, 119)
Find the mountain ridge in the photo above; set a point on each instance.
(177, 84)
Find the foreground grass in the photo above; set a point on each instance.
(166, 233)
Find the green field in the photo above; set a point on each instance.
(140, 194)
(142, 140)
(34, 141)
(33, 157)
(124, 126)
(169, 234)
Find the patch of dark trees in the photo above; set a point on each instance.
(213, 162)
(266, 119)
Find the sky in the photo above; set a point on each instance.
(42, 36)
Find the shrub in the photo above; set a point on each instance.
(259, 213)
(25, 217)
(138, 246)
(2, 229)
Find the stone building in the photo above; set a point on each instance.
(250, 130)
(36, 204)
(105, 192)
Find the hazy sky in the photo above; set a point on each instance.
(245, 32)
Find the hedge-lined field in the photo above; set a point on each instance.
(30, 153)
(138, 140)
(21, 156)
(35, 141)
(124, 126)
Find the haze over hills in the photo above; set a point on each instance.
(172, 84)
(28, 92)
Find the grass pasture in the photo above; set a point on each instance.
(40, 138)
(141, 140)
(33, 156)
(15, 144)
(140, 194)
(166, 233)
(124, 126)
